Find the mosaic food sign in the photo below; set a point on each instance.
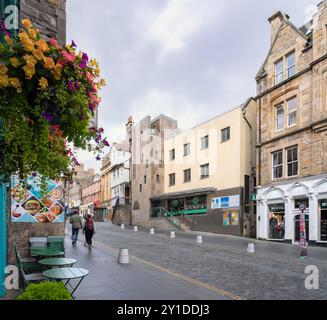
(32, 206)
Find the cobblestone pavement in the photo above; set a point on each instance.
(274, 271)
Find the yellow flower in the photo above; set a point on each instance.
(32, 33)
(15, 83)
(8, 39)
(42, 45)
(23, 37)
(29, 46)
(14, 62)
(26, 23)
(3, 70)
(57, 71)
(48, 63)
(43, 83)
(4, 81)
(29, 70)
(37, 53)
(30, 59)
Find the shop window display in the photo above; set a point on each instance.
(323, 219)
(277, 221)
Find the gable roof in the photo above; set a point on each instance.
(301, 31)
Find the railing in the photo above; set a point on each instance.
(180, 222)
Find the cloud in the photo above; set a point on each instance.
(178, 21)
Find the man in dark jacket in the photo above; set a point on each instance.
(76, 222)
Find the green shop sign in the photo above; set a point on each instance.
(9, 13)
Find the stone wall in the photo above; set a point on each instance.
(49, 16)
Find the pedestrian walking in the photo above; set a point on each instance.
(76, 222)
(89, 230)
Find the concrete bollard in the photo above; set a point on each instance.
(199, 239)
(136, 229)
(122, 226)
(172, 235)
(151, 231)
(250, 248)
(123, 257)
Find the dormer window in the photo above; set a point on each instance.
(279, 72)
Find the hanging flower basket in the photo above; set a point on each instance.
(48, 96)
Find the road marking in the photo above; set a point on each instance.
(178, 275)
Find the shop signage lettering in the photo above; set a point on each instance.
(225, 202)
(9, 11)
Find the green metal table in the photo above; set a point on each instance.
(67, 274)
(58, 262)
(46, 252)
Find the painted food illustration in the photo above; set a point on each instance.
(47, 201)
(16, 214)
(57, 193)
(19, 194)
(57, 209)
(32, 206)
(46, 217)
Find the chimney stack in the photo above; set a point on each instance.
(276, 21)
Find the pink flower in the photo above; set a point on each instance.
(89, 76)
(53, 42)
(68, 56)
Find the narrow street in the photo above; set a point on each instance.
(220, 268)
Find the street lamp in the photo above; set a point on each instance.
(303, 244)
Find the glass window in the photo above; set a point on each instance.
(323, 219)
(290, 65)
(205, 142)
(277, 221)
(172, 155)
(187, 175)
(172, 179)
(280, 120)
(292, 161)
(277, 164)
(292, 111)
(205, 171)
(299, 202)
(279, 72)
(225, 134)
(187, 149)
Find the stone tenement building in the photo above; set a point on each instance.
(292, 130)
(49, 16)
(148, 166)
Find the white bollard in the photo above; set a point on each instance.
(122, 226)
(250, 248)
(199, 239)
(172, 235)
(136, 229)
(123, 257)
(151, 231)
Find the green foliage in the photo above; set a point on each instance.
(46, 291)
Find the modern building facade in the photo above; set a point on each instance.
(292, 131)
(209, 172)
(148, 165)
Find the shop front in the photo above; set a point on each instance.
(279, 212)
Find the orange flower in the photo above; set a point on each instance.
(42, 45)
(8, 39)
(3, 70)
(14, 62)
(43, 83)
(32, 33)
(29, 70)
(37, 53)
(30, 59)
(4, 81)
(26, 23)
(15, 83)
(48, 63)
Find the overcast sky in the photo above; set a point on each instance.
(188, 59)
